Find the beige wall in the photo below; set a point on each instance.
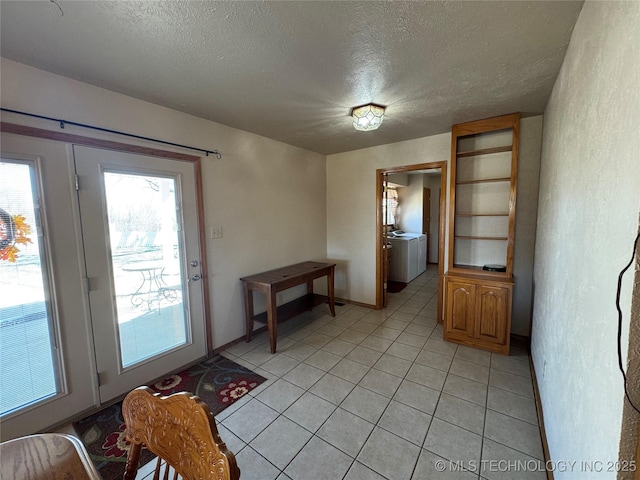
(351, 208)
(351, 212)
(268, 197)
(587, 222)
(410, 205)
(526, 215)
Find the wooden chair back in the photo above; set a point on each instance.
(179, 429)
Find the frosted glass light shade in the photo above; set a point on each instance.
(367, 117)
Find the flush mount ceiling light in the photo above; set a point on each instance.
(367, 117)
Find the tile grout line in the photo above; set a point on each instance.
(375, 425)
(371, 368)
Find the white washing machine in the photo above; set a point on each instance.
(408, 256)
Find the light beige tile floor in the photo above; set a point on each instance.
(377, 394)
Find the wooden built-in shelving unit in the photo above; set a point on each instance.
(484, 159)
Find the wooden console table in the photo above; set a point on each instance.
(275, 281)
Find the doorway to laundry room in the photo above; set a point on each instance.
(409, 239)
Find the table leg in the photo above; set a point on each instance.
(248, 309)
(272, 318)
(136, 298)
(310, 290)
(330, 288)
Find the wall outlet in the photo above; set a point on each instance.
(216, 232)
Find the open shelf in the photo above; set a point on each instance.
(483, 151)
(484, 180)
(469, 267)
(476, 271)
(294, 307)
(481, 214)
(474, 237)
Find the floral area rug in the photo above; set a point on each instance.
(218, 381)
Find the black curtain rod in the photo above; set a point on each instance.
(100, 129)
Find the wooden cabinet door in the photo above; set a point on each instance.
(460, 308)
(492, 304)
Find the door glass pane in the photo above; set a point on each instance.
(28, 360)
(146, 264)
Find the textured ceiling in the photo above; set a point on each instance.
(292, 70)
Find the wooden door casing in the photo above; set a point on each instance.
(426, 217)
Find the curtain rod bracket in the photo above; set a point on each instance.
(62, 123)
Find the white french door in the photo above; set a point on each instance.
(140, 235)
(108, 281)
(46, 359)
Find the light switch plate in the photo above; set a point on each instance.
(216, 232)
